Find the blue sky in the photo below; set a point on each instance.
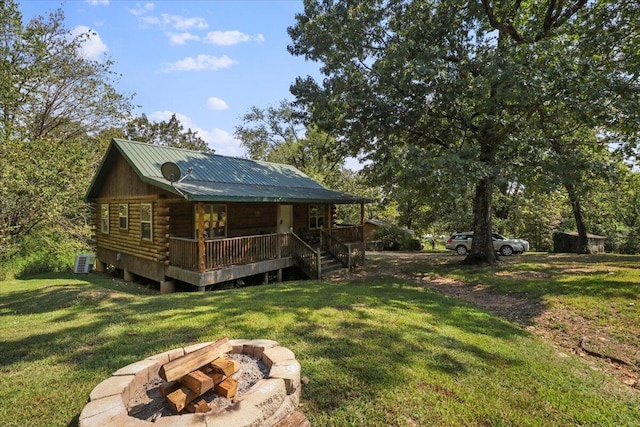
(206, 61)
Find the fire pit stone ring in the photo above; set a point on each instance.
(268, 401)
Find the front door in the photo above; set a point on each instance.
(285, 218)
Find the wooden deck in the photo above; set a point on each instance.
(206, 262)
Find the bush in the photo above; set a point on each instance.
(40, 254)
(631, 244)
(394, 238)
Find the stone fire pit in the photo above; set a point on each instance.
(268, 401)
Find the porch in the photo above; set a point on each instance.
(203, 262)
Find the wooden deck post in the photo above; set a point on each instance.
(201, 264)
(364, 245)
(362, 220)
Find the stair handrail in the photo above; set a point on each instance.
(335, 247)
(305, 257)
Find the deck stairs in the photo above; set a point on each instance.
(330, 265)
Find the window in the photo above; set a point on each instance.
(316, 216)
(146, 229)
(215, 221)
(123, 215)
(104, 218)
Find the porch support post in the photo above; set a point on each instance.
(362, 221)
(364, 245)
(167, 286)
(200, 209)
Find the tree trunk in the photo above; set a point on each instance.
(583, 240)
(482, 251)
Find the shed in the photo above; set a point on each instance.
(567, 242)
(371, 225)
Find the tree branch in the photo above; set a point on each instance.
(506, 28)
(554, 16)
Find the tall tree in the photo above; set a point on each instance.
(463, 83)
(52, 100)
(275, 134)
(170, 133)
(47, 87)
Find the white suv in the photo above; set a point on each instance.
(461, 243)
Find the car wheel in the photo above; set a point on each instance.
(461, 250)
(506, 250)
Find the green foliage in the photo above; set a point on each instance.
(53, 101)
(169, 133)
(42, 186)
(42, 251)
(631, 242)
(276, 134)
(48, 88)
(446, 94)
(394, 238)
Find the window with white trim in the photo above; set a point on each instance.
(123, 215)
(316, 216)
(104, 218)
(146, 221)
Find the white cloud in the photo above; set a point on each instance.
(92, 46)
(217, 104)
(180, 23)
(178, 39)
(98, 2)
(224, 143)
(199, 63)
(142, 9)
(165, 20)
(220, 140)
(149, 21)
(229, 38)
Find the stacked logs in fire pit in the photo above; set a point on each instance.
(190, 376)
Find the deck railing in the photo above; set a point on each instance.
(183, 253)
(347, 234)
(350, 253)
(221, 253)
(241, 250)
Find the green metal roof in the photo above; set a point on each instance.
(218, 178)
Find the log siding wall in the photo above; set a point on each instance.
(130, 240)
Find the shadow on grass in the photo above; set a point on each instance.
(521, 284)
(349, 337)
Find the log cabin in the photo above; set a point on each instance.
(170, 214)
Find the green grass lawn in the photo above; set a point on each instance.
(377, 351)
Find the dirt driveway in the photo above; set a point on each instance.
(587, 338)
